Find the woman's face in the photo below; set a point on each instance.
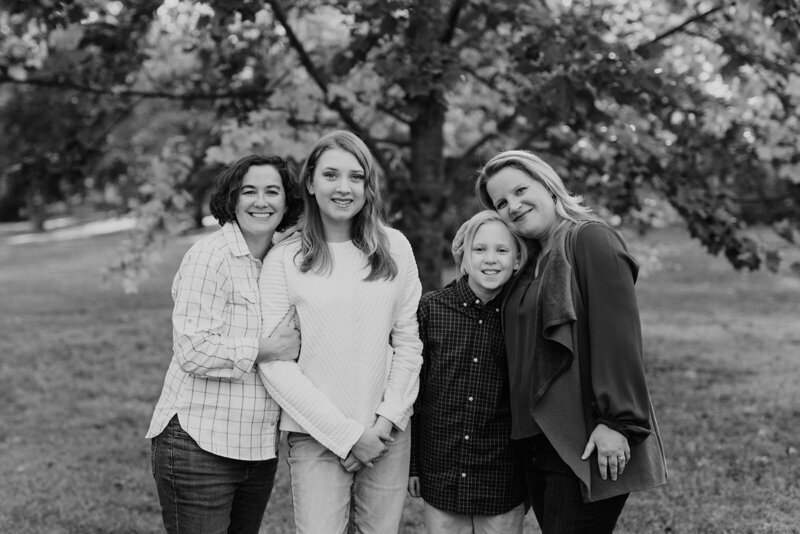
(338, 183)
(523, 203)
(262, 202)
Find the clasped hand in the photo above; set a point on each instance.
(370, 447)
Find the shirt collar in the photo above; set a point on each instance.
(235, 239)
(464, 296)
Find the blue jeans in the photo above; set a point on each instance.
(555, 493)
(202, 493)
(329, 500)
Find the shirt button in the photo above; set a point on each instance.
(471, 399)
(465, 304)
(497, 310)
(477, 301)
(475, 360)
(480, 321)
(463, 475)
(466, 438)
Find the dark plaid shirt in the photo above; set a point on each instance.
(461, 447)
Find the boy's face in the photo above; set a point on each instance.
(491, 259)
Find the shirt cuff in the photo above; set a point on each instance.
(246, 353)
(399, 419)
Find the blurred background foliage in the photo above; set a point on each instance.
(656, 111)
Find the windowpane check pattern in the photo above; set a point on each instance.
(461, 428)
(212, 383)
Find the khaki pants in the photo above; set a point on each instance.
(439, 522)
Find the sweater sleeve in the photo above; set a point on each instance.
(606, 275)
(286, 382)
(201, 291)
(403, 383)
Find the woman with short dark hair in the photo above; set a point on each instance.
(214, 429)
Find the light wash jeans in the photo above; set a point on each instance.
(325, 495)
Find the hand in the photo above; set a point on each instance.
(351, 463)
(370, 446)
(413, 486)
(383, 426)
(284, 342)
(613, 451)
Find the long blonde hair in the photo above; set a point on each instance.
(368, 232)
(567, 205)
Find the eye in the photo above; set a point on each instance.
(477, 249)
(357, 177)
(248, 192)
(520, 190)
(330, 175)
(500, 205)
(502, 250)
(273, 192)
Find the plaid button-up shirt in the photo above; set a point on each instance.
(211, 383)
(461, 428)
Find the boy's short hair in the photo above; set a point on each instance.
(466, 236)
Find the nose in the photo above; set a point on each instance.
(490, 257)
(513, 205)
(261, 200)
(343, 185)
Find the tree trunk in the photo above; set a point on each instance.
(35, 206)
(422, 220)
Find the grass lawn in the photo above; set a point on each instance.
(81, 366)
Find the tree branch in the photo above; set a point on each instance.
(452, 21)
(322, 82)
(119, 91)
(696, 18)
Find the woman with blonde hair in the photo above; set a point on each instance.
(581, 411)
(348, 398)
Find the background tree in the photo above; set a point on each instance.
(644, 107)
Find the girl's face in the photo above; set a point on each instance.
(524, 203)
(491, 260)
(338, 183)
(262, 202)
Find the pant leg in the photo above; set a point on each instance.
(196, 488)
(320, 487)
(556, 497)
(510, 522)
(252, 496)
(380, 492)
(441, 522)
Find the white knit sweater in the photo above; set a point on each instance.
(361, 352)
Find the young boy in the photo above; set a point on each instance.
(462, 463)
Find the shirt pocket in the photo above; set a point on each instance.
(244, 313)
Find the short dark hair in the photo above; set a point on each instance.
(228, 182)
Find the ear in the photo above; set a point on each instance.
(310, 187)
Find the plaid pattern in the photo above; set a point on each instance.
(461, 447)
(211, 382)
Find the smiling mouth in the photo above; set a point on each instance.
(261, 215)
(343, 202)
(490, 272)
(521, 216)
